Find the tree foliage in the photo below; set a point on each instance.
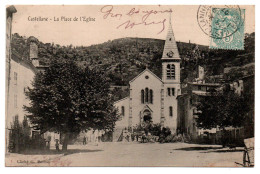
(221, 110)
(68, 99)
(238, 72)
(125, 58)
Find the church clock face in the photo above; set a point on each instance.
(170, 54)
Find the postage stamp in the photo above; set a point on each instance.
(227, 28)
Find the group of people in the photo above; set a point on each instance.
(93, 136)
(126, 136)
(136, 136)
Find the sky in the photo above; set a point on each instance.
(110, 22)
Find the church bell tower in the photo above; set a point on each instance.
(171, 80)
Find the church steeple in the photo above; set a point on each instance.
(170, 58)
(171, 81)
(170, 47)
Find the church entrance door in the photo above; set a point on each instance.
(147, 116)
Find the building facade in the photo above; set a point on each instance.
(153, 99)
(9, 18)
(20, 73)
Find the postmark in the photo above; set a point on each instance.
(204, 18)
(221, 24)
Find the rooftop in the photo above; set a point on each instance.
(205, 84)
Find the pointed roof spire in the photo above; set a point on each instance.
(170, 47)
(170, 19)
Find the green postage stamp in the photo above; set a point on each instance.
(227, 28)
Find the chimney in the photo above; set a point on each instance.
(33, 42)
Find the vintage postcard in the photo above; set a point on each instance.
(130, 85)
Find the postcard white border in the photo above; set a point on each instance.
(94, 170)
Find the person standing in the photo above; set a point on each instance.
(57, 145)
(84, 140)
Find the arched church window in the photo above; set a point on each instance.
(123, 110)
(142, 96)
(173, 71)
(151, 96)
(170, 111)
(170, 71)
(173, 91)
(169, 91)
(146, 95)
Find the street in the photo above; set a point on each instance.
(134, 154)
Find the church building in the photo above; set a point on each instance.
(152, 98)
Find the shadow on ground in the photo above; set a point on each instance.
(224, 151)
(198, 148)
(208, 149)
(54, 152)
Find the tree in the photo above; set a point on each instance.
(222, 109)
(68, 99)
(19, 136)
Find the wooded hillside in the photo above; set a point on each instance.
(124, 58)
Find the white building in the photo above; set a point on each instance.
(22, 73)
(152, 98)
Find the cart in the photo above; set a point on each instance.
(248, 156)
